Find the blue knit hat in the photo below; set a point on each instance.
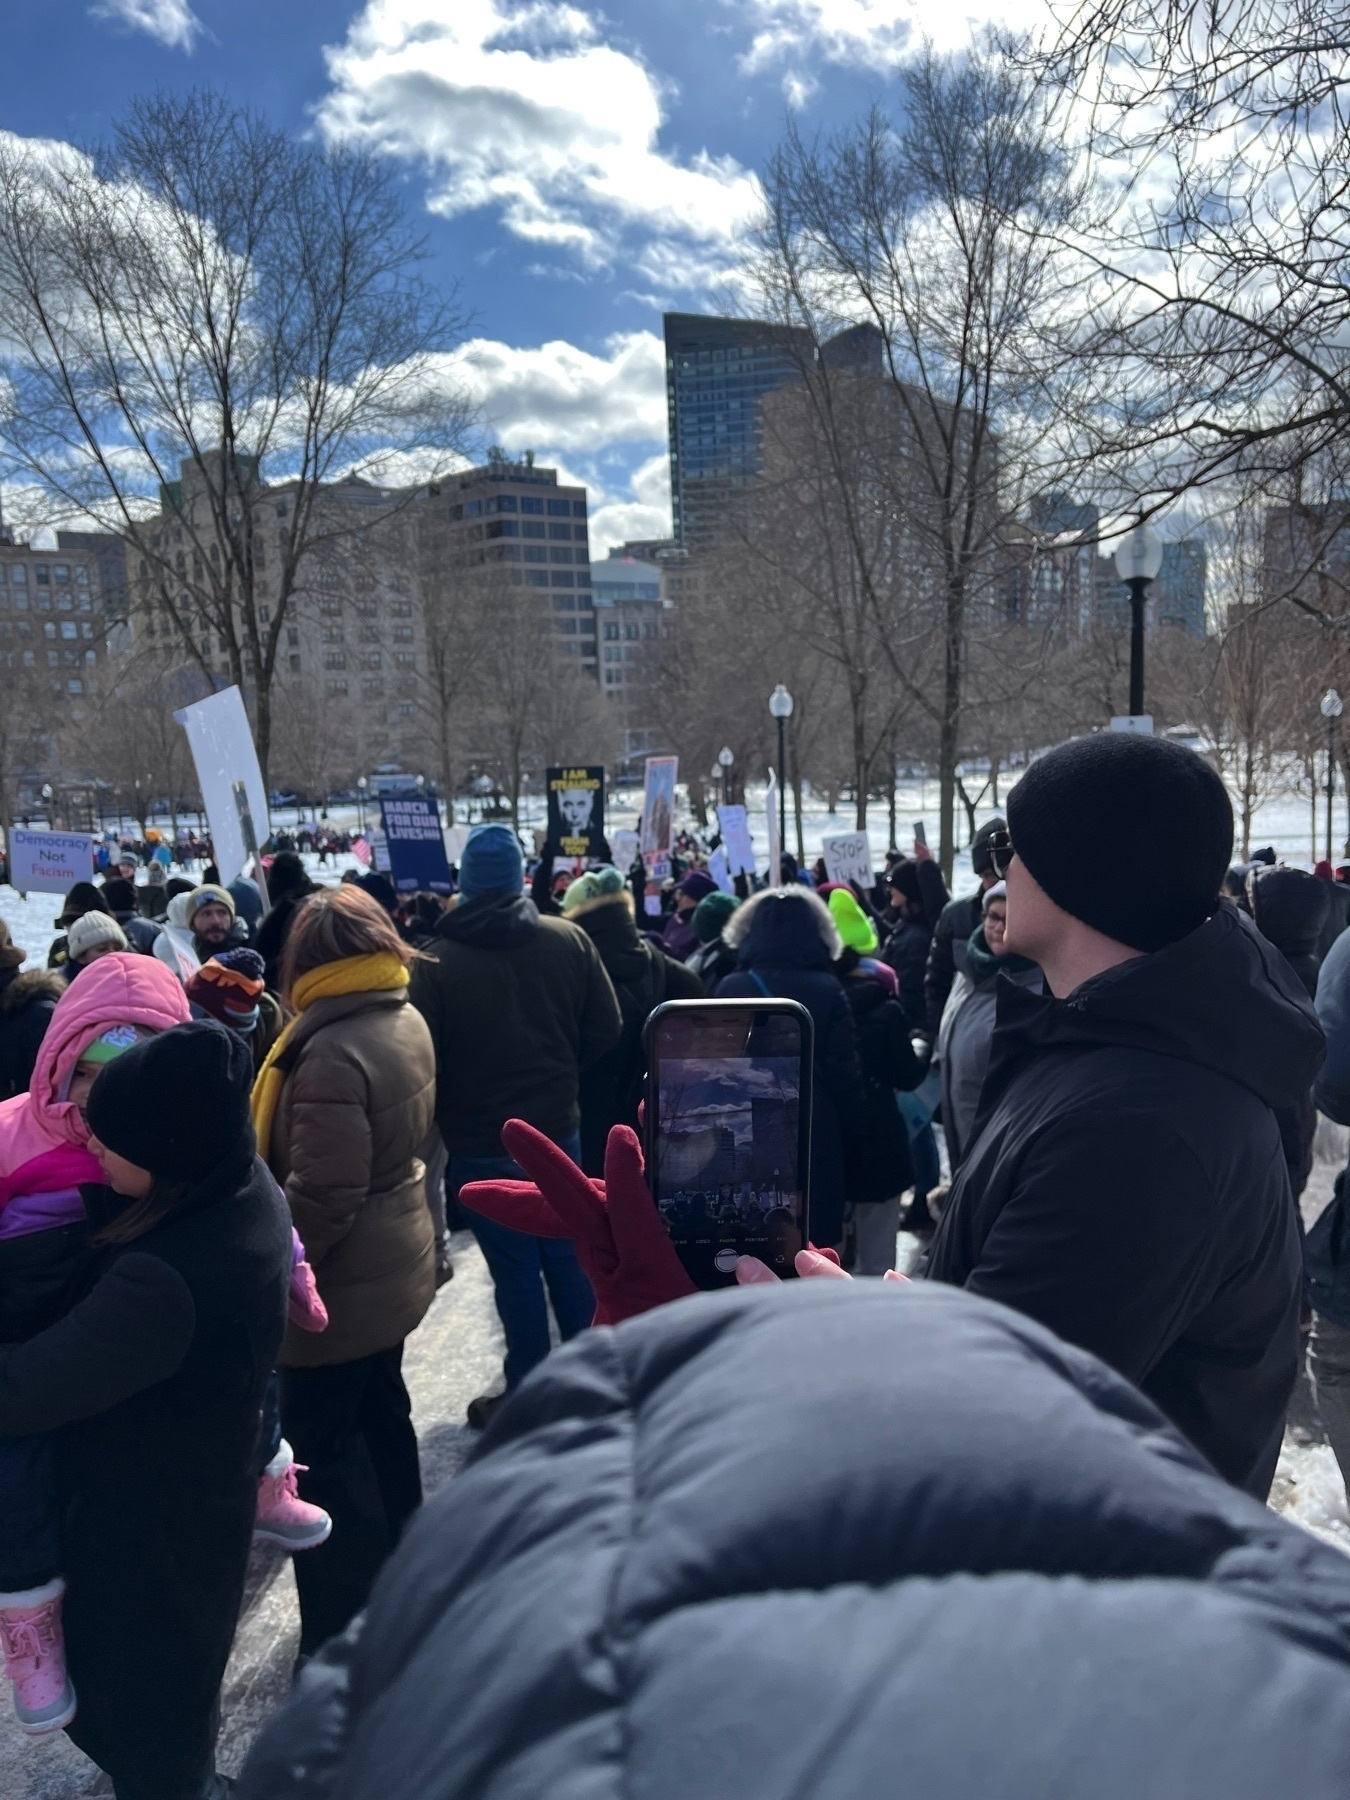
(492, 862)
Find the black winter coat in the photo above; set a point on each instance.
(784, 950)
(906, 949)
(154, 1382)
(27, 1001)
(1125, 1183)
(643, 978)
(729, 1552)
(880, 1166)
(1289, 907)
(958, 920)
(273, 931)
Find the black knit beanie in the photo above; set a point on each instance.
(1130, 834)
(178, 1103)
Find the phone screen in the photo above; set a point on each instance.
(920, 835)
(729, 1132)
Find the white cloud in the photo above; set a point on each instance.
(170, 22)
(868, 34)
(645, 513)
(519, 105)
(562, 399)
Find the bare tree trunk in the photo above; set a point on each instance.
(698, 801)
(890, 800)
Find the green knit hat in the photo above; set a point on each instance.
(852, 923)
(711, 914)
(596, 885)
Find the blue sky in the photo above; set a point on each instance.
(577, 171)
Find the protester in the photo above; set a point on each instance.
(678, 939)
(153, 1380)
(918, 897)
(1289, 909)
(712, 958)
(880, 1168)
(1124, 1185)
(724, 1549)
(1326, 1252)
(957, 923)
(96, 934)
(120, 897)
(341, 1105)
(212, 921)
(787, 944)
(153, 897)
(229, 987)
(966, 1030)
(518, 1006)
(643, 977)
(28, 998)
(287, 885)
(175, 946)
(248, 904)
(83, 897)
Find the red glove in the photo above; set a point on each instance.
(621, 1243)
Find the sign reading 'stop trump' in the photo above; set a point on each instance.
(576, 810)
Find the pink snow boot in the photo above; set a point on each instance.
(282, 1517)
(35, 1658)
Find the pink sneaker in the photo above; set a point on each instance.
(35, 1658)
(282, 1517)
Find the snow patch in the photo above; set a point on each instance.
(1308, 1489)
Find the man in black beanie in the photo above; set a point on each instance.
(1125, 1184)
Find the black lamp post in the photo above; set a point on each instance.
(1138, 559)
(725, 758)
(361, 785)
(1332, 707)
(780, 707)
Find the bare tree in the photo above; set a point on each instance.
(943, 232)
(203, 305)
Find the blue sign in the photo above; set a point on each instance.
(417, 859)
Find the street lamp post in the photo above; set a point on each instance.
(361, 785)
(780, 707)
(1332, 707)
(1138, 559)
(725, 759)
(47, 805)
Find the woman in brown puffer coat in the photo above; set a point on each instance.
(341, 1105)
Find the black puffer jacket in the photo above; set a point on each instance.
(1125, 1184)
(880, 1166)
(643, 977)
(27, 1000)
(676, 1571)
(1289, 907)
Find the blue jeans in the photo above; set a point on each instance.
(522, 1267)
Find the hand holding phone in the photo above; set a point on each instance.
(920, 835)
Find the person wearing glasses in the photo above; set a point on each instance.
(1124, 1183)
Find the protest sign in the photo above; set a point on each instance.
(576, 810)
(848, 858)
(415, 847)
(656, 834)
(735, 829)
(624, 848)
(456, 836)
(771, 818)
(229, 778)
(720, 872)
(49, 862)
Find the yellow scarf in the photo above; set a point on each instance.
(351, 975)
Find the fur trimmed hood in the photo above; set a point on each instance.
(30, 985)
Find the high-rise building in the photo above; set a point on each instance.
(1178, 595)
(630, 604)
(517, 516)
(717, 372)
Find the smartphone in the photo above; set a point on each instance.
(920, 835)
(728, 1125)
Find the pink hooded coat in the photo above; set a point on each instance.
(42, 1135)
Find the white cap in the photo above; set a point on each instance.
(999, 891)
(92, 929)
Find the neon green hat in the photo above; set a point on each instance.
(852, 923)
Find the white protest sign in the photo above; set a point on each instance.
(229, 777)
(735, 829)
(848, 858)
(456, 836)
(49, 862)
(771, 818)
(720, 872)
(624, 848)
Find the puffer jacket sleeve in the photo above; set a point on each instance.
(1331, 1090)
(329, 1150)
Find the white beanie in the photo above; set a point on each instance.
(999, 891)
(92, 929)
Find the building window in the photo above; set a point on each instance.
(91, 656)
(69, 629)
(533, 529)
(331, 634)
(334, 659)
(53, 659)
(559, 556)
(564, 603)
(560, 531)
(562, 578)
(579, 533)
(611, 656)
(292, 634)
(630, 632)
(42, 574)
(337, 687)
(372, 660)
(503, 528)
(295, 663)
(401, 609)
(537, 577)
(535, 553)
(370, 634)
(531, 505)
(264, 615)
(29, 658)
(611, 630)
(559, 509)
(49, 629)
(74, 685)
(84, 603)
(281, 509)
(403, 634)
(578, 509)
(404, 710)
(372, 689)
(405, 659)
(62, 573)
(19, 575)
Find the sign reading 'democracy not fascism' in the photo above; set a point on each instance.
(49, 862)
(415, 846)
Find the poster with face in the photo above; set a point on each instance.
(576, 810)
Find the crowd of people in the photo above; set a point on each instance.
(735, 1541)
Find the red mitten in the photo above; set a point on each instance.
(621, 1242)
